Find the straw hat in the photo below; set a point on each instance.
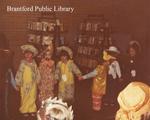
(134, 96)
(67, 49)
(30, 48)
(113, 49)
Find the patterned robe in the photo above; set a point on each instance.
(64, 73)
(46, 87)
(27, 78)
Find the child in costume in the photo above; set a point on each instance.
(7, 85)
(134, 102)
(134, 67)
(99, 82)
(47, 82)
(114, 76)
(27, 78)
(64, 74)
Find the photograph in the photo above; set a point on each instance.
(74, 60)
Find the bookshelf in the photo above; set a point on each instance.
(45, 28)
(93, 37)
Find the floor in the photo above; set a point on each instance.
(82, 107)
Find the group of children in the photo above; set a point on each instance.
(30, 77)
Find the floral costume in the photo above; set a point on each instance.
(46, 87)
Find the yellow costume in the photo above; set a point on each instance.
(64, 73)
(27, 78)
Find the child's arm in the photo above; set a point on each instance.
(76, 70)
(53, 72)
(13, 82)
(57, 71)
(90, 75)
(118, 70)
(37, 74)
(19, 74)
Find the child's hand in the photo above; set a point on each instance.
(80, 78)
(17, 88)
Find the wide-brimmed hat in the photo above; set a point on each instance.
(66, 49)
(113, 49)
(129, 99)
(30, 48)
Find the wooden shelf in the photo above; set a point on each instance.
(45, 27)
(44, 32)
(91, 41)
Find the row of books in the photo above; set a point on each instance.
(93, 26)
(44, 26)
(33, 38)
(88, 62)
(90, 40)
(87, 50)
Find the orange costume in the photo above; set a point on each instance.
(99, 82)
(99, 86)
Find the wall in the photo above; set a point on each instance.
(130, 19)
